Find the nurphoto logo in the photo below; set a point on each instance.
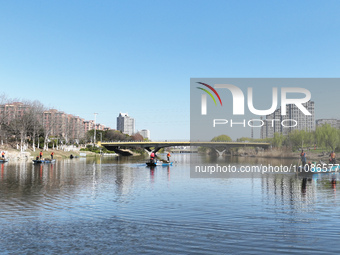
(238, 99)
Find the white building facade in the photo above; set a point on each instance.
(145, 133)
(126, 124)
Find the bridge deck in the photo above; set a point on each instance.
(171, 144)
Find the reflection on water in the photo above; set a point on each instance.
(118, 205)
(244, 160)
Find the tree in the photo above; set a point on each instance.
(36, 110)
(297, 138)
(245, 139)
(221, 138)
(25, 121)
(137, 137)
(100, 135)
(108, 135)
(21, 122)
(328, 136)
(278, 140)
(49, 122)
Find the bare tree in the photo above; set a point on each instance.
(49, 122)
(137, 137)
(3, 116)
(115, 135)
(21, 122)
(36, 113)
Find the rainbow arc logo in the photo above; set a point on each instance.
(204, 97)
(209, 93)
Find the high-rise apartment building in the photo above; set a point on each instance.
(273, 122)
(126, 124)
(333, 122)
(145, 133)
(304, 122)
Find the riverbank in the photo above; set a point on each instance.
(16, 155)
(281, 154)
(274, 153)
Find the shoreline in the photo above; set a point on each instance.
(16, 155)
(276, 154)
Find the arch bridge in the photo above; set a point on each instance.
(220, 147)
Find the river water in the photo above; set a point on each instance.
(119, 206)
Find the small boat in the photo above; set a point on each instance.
(42, 161)
(167, 164)
(159, 163)
(3, 160)
(151, 164)
(325, 168)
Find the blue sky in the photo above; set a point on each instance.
(138, 57)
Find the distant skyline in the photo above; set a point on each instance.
(138, 56)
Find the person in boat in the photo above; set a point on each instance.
(152, 157)
(303, 158)
(168, 156)
(332, 157)
(3, 155)
(52, 155)
(40, 154)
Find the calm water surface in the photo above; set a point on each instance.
(110, 206)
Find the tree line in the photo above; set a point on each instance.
(324, 137)
(23, 122)
(112, 135)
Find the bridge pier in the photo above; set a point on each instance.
(149, 150)
(121, 152)
(220, 153)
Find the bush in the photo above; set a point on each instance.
(96, 149)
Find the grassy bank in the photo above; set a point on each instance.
(58, 154)
(14, 154)
(311, 155)
(282, 153)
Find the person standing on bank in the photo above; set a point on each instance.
(303, 158)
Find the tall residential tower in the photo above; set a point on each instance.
(126, 124)
(272, 123)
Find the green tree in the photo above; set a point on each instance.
(298, 138)
(221, 138)
(278, 140)
(328, 136)
(245, 139)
